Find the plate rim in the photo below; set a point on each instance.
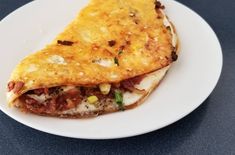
(167, 123)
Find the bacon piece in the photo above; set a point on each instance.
(137, 79)
(68, 100)
(46, 91)
(63, 102)
(30, 101)
(70, 104)
(38, 91)
(60, 102)
(129, 84)
(37, 108)
(18, 86)
(72, 92)
(57, 102)
(41, 91)
(11, 86)
(33, 105)
(51, 106)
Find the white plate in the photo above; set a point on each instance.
(188, 83)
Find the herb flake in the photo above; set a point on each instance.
(116, 61)
(120, 52)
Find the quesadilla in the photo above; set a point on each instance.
(109, 58)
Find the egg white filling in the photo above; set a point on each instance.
(167, 23)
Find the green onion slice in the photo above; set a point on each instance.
(119, 99)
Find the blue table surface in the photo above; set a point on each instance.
(210, 129)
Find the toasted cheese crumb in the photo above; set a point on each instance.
(113, 76)
(32, 68)
(81, 73)
(86, 36)
(93, 14)
(104, 29)
(105, 62)
(30, 83)
(56, 59)
(161, 58)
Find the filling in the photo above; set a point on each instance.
(72, 100)
(59, 100)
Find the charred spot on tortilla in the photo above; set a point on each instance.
(158, 5)
(125, 50)
(65, 42)
(10, 86)
(112, 43)
(174, 55)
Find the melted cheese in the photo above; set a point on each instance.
(32, 68)
(105, 62)
(41, 99)
(56, 59)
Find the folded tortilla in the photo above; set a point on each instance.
(106, 53)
